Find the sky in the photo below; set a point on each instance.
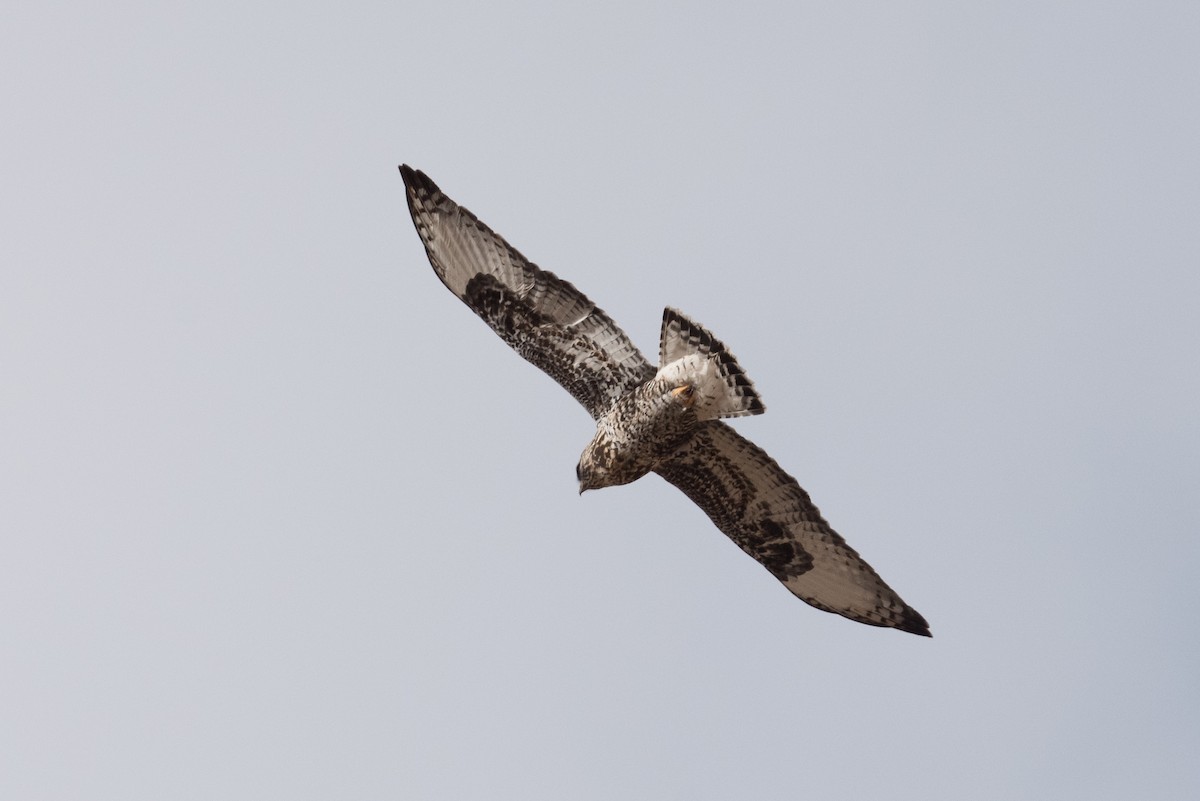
(279, 518)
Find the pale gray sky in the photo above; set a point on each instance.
(281, 519)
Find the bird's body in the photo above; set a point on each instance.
(641, 429)
(697, 380)
(664, 420)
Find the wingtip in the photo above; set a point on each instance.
(913, 623)
(416, 180)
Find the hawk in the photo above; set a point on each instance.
(665, 419)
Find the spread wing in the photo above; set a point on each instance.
(546, 320)
(762, 509)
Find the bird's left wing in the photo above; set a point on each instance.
(762, 509)
(545, 319)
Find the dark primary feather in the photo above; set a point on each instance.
(762, 509)
(544, 318)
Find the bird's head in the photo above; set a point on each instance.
(599, 464)
(583, 472)
(590, 472)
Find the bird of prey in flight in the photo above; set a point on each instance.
(664, 419)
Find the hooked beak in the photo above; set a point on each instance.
(579, 477)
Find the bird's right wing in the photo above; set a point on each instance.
(762, 509)
(545, 319)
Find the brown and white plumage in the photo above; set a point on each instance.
(762, 509)
(545, 319)
(664, 420)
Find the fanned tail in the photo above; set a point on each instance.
(690, 355)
